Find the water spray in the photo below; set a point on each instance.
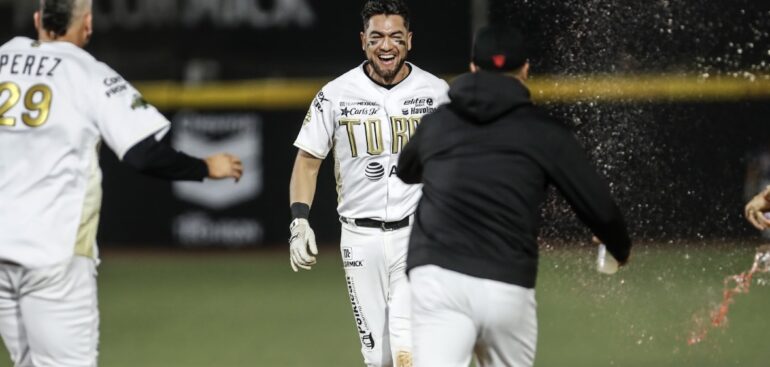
(733, 285)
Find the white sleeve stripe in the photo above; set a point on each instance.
(309, 151)
(140, 137)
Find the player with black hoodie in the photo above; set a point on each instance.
(485, 161)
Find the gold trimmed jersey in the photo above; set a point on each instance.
(57, 104)
(366, 126)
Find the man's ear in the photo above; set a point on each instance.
(474, 68)
(409, 41)
(524, 74)
(363, 41)
(38, 21)
(88, 24)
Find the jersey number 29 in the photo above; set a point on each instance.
(37, 100)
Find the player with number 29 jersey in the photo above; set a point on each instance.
(56, 104)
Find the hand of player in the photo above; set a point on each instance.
(224, 166)
(302, 246)
(756, 208)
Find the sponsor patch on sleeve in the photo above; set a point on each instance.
(139, 102)
(308, 116)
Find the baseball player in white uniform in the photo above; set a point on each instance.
(57, 104)
(366, 117)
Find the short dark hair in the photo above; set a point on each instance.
(385, 7)
(56, 15)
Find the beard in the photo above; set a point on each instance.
(386, 75)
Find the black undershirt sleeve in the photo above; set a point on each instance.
(158, 159)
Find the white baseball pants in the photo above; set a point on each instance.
(375, 274)
(455, 316)
(49, 316)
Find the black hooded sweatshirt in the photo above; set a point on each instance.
(485, 160)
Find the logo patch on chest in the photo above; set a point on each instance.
(375, 171)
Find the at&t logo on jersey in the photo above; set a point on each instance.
(375, 171)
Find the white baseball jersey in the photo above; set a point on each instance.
(57, 103)
(368, 125)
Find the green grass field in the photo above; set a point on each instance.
(250, 309)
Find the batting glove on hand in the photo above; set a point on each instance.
(302, 246)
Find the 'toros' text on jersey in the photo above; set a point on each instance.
(402, 128)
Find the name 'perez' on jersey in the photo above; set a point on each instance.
(368, 125)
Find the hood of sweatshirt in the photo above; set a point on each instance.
(484, 96)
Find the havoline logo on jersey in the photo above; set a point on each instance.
(418, 106)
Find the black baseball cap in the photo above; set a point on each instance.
(499, 48)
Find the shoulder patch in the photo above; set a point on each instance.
(319, 100)
(308, 116)
(139, 102)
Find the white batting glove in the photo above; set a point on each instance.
(302, 246)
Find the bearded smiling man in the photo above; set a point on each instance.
(366, 117)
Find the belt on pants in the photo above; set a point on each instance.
(374, 223)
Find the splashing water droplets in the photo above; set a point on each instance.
(733, 285)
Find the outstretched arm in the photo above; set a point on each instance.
(589, 195)
(158, 159)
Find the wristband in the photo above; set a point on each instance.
(300, 210)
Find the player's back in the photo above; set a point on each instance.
(55, 100)
(45, 148)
